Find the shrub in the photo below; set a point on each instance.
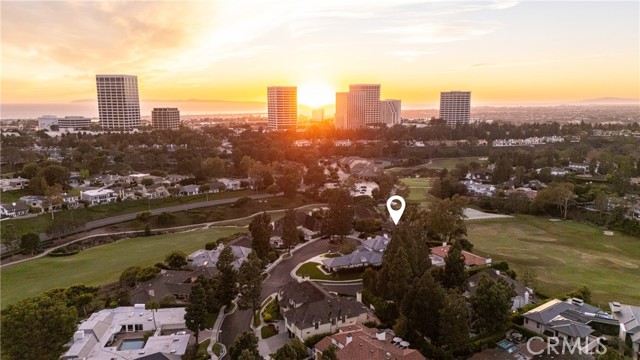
(211, 245)
(313, 340)
(241, 202)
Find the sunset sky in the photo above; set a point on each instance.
(505, 52)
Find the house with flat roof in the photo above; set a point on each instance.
(120, 333)
(98, 196)
(361, 343)
(310, 310)
(629, 318)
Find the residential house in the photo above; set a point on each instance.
(579, 167)
(217, 187)
(439, 254)
(309, 310)
(571, 319)
(18, 183)
(98, 196)
(176, 283)
(629, 318)
(209, 258)
(529, 193)
(189, 190)
(368, 254)
(479, 189)
(119, 333)
(524, 295)
(15, 209)
(156, 191)
(362, 343)
(173, 179)
(231, 184)
(36, 201)
(71, 201)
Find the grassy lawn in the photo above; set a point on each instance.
(312, 270)
(40, 223)
(268, 331)
(99, 265)
(217, 349)
(13, 195)
(202, 350)
(418, 188)
(450, 163)
(211, 319)
(565, 255)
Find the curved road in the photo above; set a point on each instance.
(240, 321)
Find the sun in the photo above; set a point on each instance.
(315, 95)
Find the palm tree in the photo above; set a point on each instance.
(153, 306)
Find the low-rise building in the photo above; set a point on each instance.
(15, 209)
(208, 259)
(571, 319)
(629, 318)
(98, 196)
(176, 283)
(120, 333)
(524, 295)
(309, 310)
(439, 254)
(189, 190)
(362, 343)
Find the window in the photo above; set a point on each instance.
(317, 325)
(526, 321)
(344, 318)
(138, 327)
(333, 321)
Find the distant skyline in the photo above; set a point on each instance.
(504, 52)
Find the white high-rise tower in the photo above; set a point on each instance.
(282, 107)
(455, 107)
(118, 101)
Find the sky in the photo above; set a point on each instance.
(505, 52)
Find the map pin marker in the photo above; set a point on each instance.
(396, 214)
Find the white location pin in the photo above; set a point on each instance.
(396, 214)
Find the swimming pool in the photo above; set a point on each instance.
(131, 344)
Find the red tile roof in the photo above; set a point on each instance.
(365, 346)
(469, 258)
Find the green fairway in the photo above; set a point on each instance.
(418, 188)
(99, 265)
(450, 163)
(565, 255)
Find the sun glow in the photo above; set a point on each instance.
(316, 95)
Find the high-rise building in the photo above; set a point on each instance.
(390, 111)
(75, 122)
(282, 107)
(455, 107)
(118, 102)
(371, 101)
(342, 101)
(165, 118)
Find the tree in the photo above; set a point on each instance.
(491, 304)
(260, 228)
(445, 219)
(10, 238)
(400, 271)
(583, 293)
(153, 305)
(212, 167)
(290, 180)
(147, 182)
(227, 287)
(330, 353)
(195, 315)
(422, 305)
(248, 355)
(528, 277)
(30, 242)
(315, 176)
(289, 230)
(502, 171)
(339, 219)
(285, 353)
(176, 259)
(454, 321)
(37, 328)
(447, 187)
(245, 341)
(250, 283)
(129, 276)
(455, 277)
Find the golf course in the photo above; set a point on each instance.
(564, 254)
(101, 264)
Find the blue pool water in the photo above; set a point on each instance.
(131, 344)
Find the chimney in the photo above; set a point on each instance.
(444, 243)
(381, 335)
(78, 335)
(151, 292)
(359, 296)
(349, 339)
(526, 297)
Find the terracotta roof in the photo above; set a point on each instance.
(364, 345)
(469, 258)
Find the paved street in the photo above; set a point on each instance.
(240, 321)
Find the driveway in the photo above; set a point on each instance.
(240, 321)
